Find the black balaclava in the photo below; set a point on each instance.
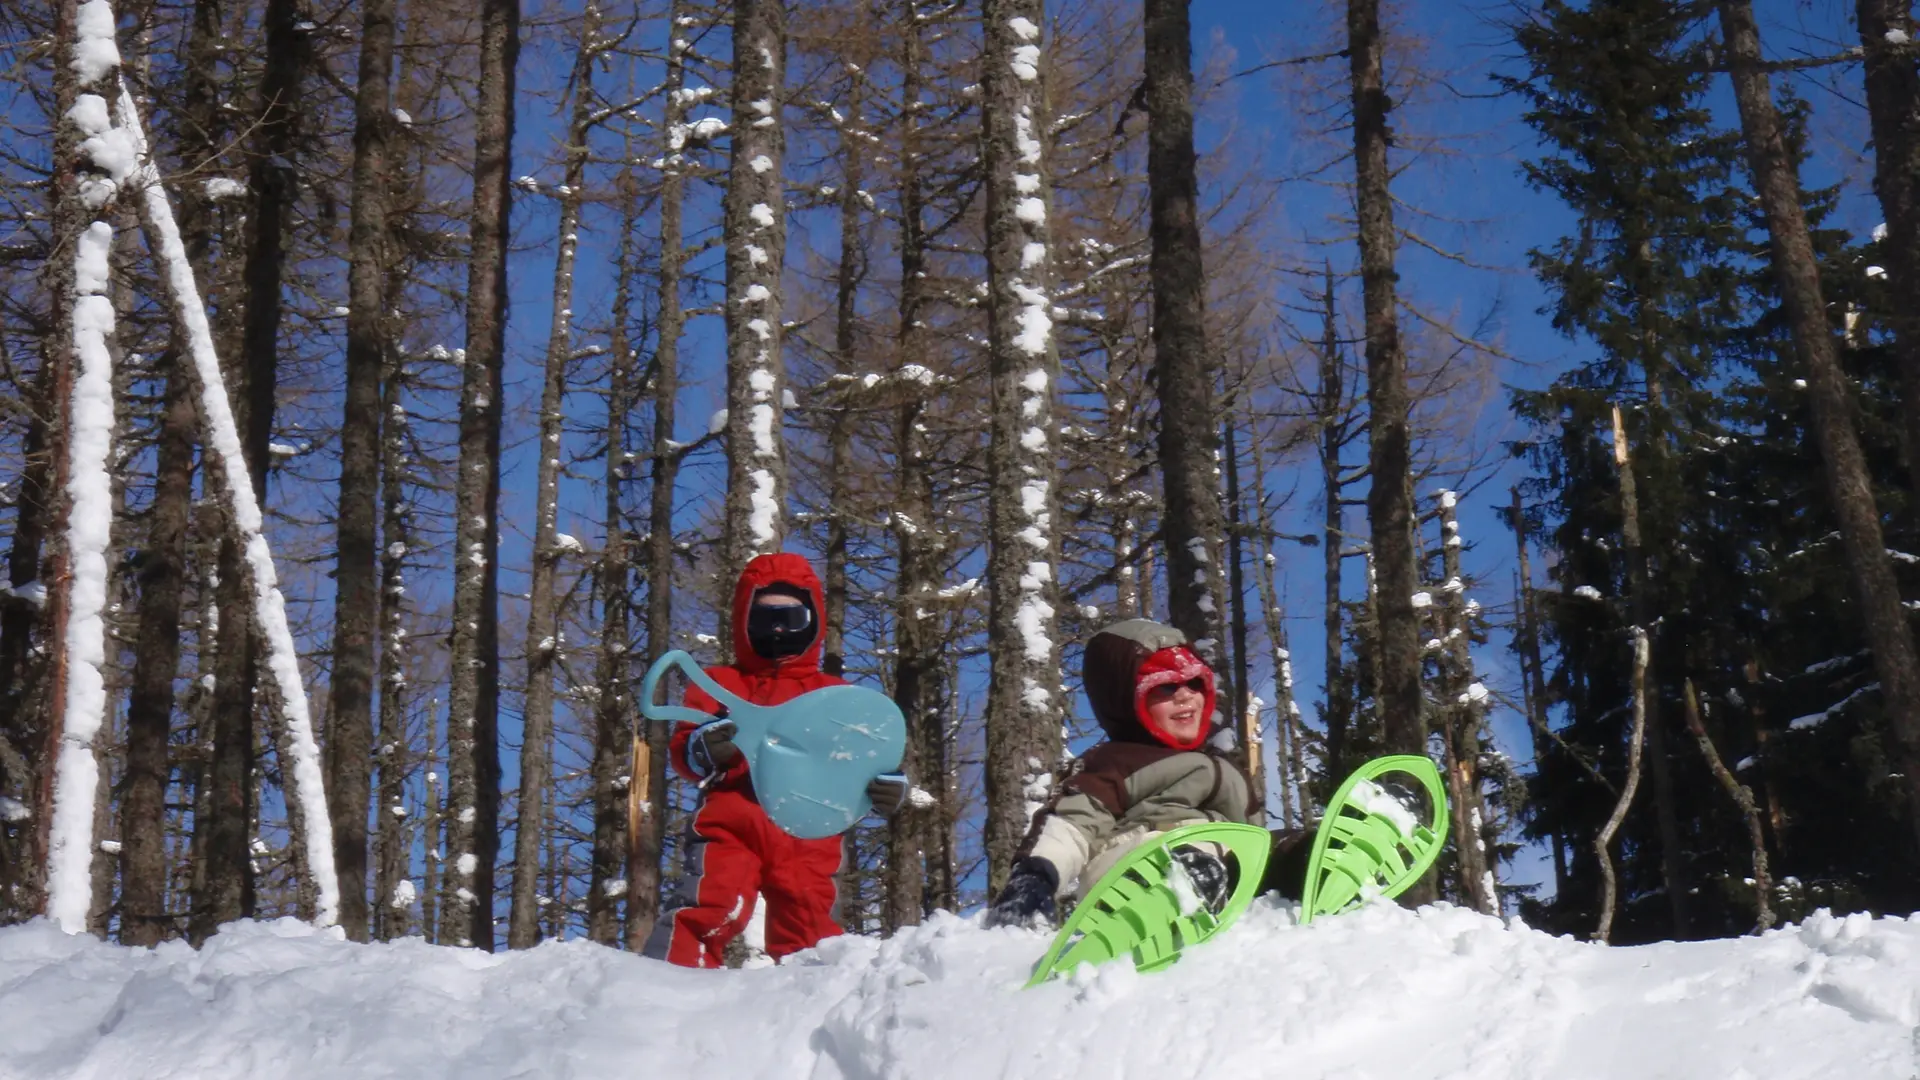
(776, 633)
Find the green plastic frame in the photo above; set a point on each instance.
(1133, 910)
(1355, 850)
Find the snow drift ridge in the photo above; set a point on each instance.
(1380, 993)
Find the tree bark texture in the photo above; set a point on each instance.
(608, 877)
(393, 843)
(917, 662)
(1635, 739)
(1742, 797)
(1389, 443)
(1333, 541)
(356, 585)
(1465, 719)
(1875, 590)
(643, 873)
(543, 647)
(1892, 68)
(755, 229)
(1641, 603)
(1183, 366)
(1023, 697)
(251, 383)
(473, 706)
(144, 919)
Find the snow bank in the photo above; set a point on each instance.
(1379, 994)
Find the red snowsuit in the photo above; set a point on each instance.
(740, 851)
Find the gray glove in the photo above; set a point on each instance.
(710, 749)
(888, 792)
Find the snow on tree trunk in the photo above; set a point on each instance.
(287, 696)
(917, 668)
(1797, 270)
(108, 161)
(1024, 706)
(1464, 701)
(1191, 524)
(473, 700)
(393, 889)
(756, 241)
(643, 872)
(608, 879)
(543, 644)
(350, 754)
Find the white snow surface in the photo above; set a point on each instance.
(1379, 994)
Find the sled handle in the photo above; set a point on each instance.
(681, 713)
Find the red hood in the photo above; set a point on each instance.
(766, 571)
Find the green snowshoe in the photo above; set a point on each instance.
(1370, 843)
(1136, 909)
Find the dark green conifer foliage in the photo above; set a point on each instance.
(1665, 276)
(1651, 277)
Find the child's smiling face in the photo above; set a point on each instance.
(1174, 709)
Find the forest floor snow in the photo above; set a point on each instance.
(1379, 994)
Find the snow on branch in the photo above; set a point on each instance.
(229, 471)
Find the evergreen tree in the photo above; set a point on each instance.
(1651, 277)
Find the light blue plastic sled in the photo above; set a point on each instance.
(811, 758)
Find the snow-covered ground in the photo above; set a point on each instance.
(1381, 994)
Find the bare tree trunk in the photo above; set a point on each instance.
(917, 662)
(1605, 838)
(1287, 759)
(536, 744)
(1830, 397)
(607, 881)
(357, 600)
(1641, 602)
(1389, 454)
(1333, 439)
(1464, 720)
(431, 833)
(1533, 680)
(1243, 712)
(1743, 798)
(251, 383)
(643, 871)
(143, 842)
(394, 835)
(756, 241)
(1893, 110)
(1023, 707)
(473, 706)
(1183, 367)
(850, 275)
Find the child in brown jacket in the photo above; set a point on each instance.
(1155, 700)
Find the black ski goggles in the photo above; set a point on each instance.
(772, 620)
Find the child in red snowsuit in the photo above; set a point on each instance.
(777, 608)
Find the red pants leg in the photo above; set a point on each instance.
(800, 893)
(728, 829)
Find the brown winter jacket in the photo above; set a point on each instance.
(1131, 787)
